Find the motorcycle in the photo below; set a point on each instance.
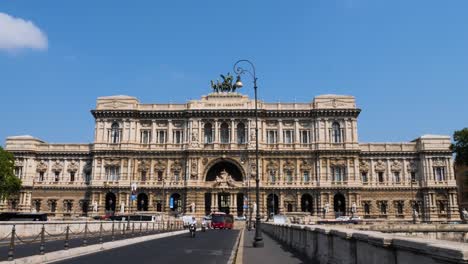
(203, 227)
(192, 230)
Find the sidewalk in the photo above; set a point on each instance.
(272, 253)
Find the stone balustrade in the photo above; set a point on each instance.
(332, 244)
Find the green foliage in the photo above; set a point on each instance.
(460, 146)
(9, 183)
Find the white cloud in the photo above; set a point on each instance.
(17, 34)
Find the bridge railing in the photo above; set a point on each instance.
(87, 232)
(326, 244)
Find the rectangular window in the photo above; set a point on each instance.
(176, 176)
(380, 176)
(72, 176)
(88, 177)
(143, 176)
(177, 136)
(289, 177)
(439, 173)
(364, 177)
(57, 176)
(41, 176)
(306, 176)
(396, 176)
(305, 136)
(272, 176)
(271, 136)
(288, 136)
(145, 136)
(413, 176)
(112, 173)
(161, 136)
(338, 174)
(160, 175)
(19, 172)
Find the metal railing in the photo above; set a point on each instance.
(115, 230)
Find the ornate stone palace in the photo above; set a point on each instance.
(199, 157)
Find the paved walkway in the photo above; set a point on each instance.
(272, 253)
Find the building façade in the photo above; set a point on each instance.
(199, 157)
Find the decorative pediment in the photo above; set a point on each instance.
(288, 123)
(73, 166)
(396, 166)
(160, 165)
(143, 165)
(338, 163)
(412, 166)
(145, 124)
(271, 123)
(272, 165)
(161, 123)
(306, 165)
(41, 166)
(176, 166)
(380, 166)
(363, 166)
(177, 123)
(438, 163)
(113, 162)
(288, 166)
(57, 166)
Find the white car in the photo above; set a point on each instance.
(342, 218)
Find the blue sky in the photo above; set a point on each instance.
(406, 62)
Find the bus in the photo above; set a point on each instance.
(15, 216)
(222, 221)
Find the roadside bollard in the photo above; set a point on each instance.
(133, 228)
(42, 246)
(67, 234)
(85, 241)
(100, 233)
(153, 226)
(140, 228)
(113, 223)
(11, 249)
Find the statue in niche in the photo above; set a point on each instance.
(353, 209)
(192, 207)
(95, 206)
(465, 214)
(224, 179)
(122, 208)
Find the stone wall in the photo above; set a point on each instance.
(341, 245)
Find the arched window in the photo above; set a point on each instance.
(224, 133)
(336, 133)
(400, 208)
(115, 133)
(241, 133)
(208, 133)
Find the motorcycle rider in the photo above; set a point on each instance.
(193, 224)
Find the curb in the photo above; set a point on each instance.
(232, 258)
(91, 249)
(240, 249)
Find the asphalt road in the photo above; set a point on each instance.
(30, 249)
(212, 246)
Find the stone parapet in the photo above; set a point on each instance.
(323, 244)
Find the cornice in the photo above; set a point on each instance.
(189, 113)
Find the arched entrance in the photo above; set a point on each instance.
(142, 202)
(339, 205)
(224, 165)
(272, 204)
(306, 203)
(110, 203)
(175, 203)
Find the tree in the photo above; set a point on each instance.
(460, 147)
(9, 183)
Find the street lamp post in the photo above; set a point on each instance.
(258, 240)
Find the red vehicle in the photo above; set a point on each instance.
(222, 221)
